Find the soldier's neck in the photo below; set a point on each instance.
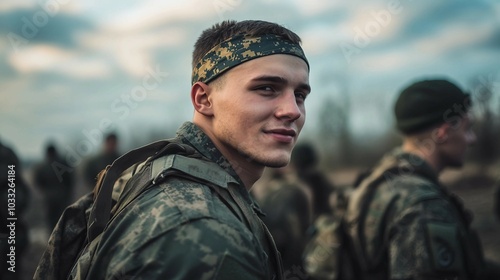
(427, 151)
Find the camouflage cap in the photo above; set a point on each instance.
(239, 49)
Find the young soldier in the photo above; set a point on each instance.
(249, 83)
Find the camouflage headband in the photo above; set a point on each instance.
(239, 49)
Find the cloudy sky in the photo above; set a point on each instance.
(71, 69)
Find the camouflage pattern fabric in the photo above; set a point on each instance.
(66, 241)
(414, 228)
(182, 229)
(239, 49)
(322, 255)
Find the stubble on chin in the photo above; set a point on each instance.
(266, 160)
(280, 161)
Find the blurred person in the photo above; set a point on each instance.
(14, 239)
(55, 184)
(287, 205)
(304, 163)
(249, 83)
(402, 222)
(292, 198)
(99, 162)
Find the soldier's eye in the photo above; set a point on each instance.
(266, 88)
(301, 96)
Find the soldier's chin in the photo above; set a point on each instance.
(276, 163)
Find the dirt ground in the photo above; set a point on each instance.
(474, 184)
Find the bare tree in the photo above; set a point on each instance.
(487, 125)
(333, 124)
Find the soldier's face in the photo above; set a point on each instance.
(258, 110)
(459, 137)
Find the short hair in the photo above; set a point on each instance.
(224, 30)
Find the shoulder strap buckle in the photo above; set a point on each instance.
(192, 167)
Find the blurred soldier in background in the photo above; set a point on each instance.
(304, 163)
(286, 203)
(292, 199)
(12, 187)
(97, 163)
(403, 223)
(55, 183)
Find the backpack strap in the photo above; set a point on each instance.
(206, 171)
(194, 169)
(166, 158)
(101, 208)
(173, 159)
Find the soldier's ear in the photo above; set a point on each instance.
(441, 132)
(200, 97)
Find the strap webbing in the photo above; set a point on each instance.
(101, 209)
(171, 163)
(204, 170)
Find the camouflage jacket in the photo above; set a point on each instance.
(184, 229)
(409, 226)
